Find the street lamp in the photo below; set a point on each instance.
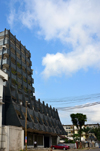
(26, 125)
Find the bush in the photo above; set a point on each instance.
(69, 141)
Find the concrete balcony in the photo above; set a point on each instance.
(33, 89)
(23, 55)
(17, 50)
(23, 64)
(20, 81)
(5, 53)
(24, 74)
(13, 38)
(28, 60)
(28, 54)
(28, 69)
(13, 76)
(26, 99)
(13, 94)
(20, 96)
(12, 46)
(19, 70)
(13, 66)
(1, 42)
(24, 84)
(32, 80)
(18, 60)
(29, 78)
(5, 63)
(13, 56)
(29, 87)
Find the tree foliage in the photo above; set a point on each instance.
(76, 137)
(96, 131)
(78, 120)
(86, 130)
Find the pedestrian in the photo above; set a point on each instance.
(35, 144)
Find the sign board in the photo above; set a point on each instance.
(25, 139)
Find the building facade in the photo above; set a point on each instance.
(72, 129)
(43, 123)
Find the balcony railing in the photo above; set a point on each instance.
(24, 84)
(12, 37)
(29, 78)
(13, 55)
(20, 81)
(26, 99)
(5, 51)
(17, 50)
(29, 69)
(18, 60)
(30, 63)
(5, 62)
(24, 74)
(33, 89)
(13, 65)
(20, 96)
(27, 60)
(32, 80)
(1, 42)
(27, 53)
(13, 76)
(13, 94)
(23, 55)
(23, 64)
(12, 45)
(29, 87)
(19, 70)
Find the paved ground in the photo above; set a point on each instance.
(48, 149)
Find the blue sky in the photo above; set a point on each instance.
(63, 37)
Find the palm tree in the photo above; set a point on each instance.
(86, 130)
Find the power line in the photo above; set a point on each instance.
(78, 107)
(74, 99)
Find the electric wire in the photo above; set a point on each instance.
(78, 107)
(74, 99)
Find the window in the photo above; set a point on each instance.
(30, 139)
(40, 140)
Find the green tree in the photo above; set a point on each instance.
(96, 131)
(86, 130)
(78, 120)
(76, 137)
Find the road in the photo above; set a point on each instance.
(47, 149)
(95, 149)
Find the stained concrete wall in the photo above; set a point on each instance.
(3, 77)
(16, 138)
(12, 138)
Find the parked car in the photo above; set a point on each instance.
(60, 146)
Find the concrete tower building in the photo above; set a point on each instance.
(43, 121)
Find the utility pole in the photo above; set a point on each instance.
(26, 127)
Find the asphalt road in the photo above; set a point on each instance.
(47, 149)
(95, 149)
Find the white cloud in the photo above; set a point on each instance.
(72, 21)
(92, 113)
(11, 18)
(57, 64)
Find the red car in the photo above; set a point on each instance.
(60, 146)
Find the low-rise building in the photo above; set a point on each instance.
(72, 129)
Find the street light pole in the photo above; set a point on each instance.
(26, 127)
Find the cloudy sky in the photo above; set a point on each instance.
(63, 37)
